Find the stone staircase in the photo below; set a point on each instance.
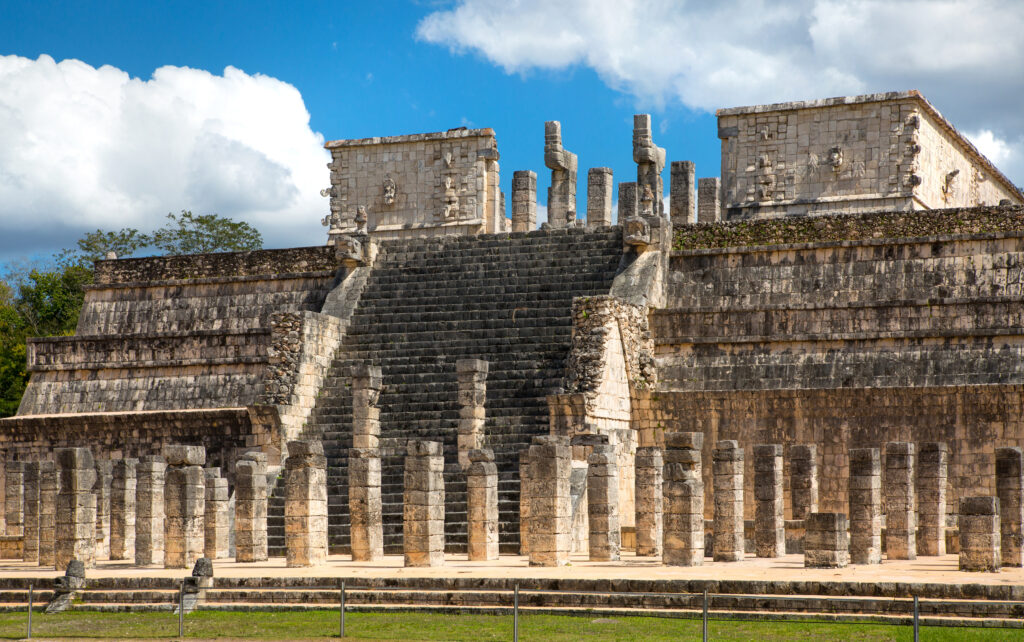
(504, 298)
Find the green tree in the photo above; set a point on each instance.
(191, 234)
(95, 245)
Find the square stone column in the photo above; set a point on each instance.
(865, 488)
(682, 192)
(104, 479)
(563, 165)
(629, 202)
(599, 196)
(550, 501)
(482, 505)
(769, 513)
(649, 501)
(900, 507)
(524, 201)
(151, 475)
(525, 493)
(603, 504)
(826, 544)
(30, 540)
(48, 485)
(650, 161)
(184, 505)
(727, 460)
(305, 504)
(803, 479)
(472, 397)
(683, 490)
(367, 381)
(709, 204)
(75, 530)
(216, 518)
(123, 488)
(364, 503)
(14, 497)
(980, 546)
(423, 510)
(932, 467)
(1009, 488)
(251, 507)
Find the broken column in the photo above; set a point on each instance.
(769, 512)
(932, 466)
(48, 485)
(599, 196)
(650, 161)
(423, 510)
(683, 489)
(865, 488)
(251, 507)
(980, 546)
(472, 397)
(305, 504)
(75, 527)
(365, 508)
(150, 476)
(550, 501)
(524, 201)
(709, 205)
(1009, 489)
(682, 192)
(482, 505)
(826, 543)
(184, 505)
(649, 501)
(727, 460)
(803, 479)
(562, 193)
(603, 504)
(14, 497)
(524, 501)
(900, 509)
(367, 381)
(30, 539)
(217, 520)
(104, 477)
(123, 487)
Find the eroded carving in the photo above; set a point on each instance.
(636, 232)
(451, 199)
(649, 159)
(562, 162)
(835, 158)
(389, 190)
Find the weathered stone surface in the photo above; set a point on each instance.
(104, 478)
(365, 510)
(305, 504)
(649, 501)
(562, 163)
(650, 161)
(482, 505)
(184, 507)
(48, 486)
(803, 466)
(900, 501)
(149, 510)
(14, 497)
(682, 192)
(683, 491)
(1010, 491)
(423, 526)
(524, 201)
(216, 516)
(75, 524)
(865, 506)
(769, 514)
(30, 539)
(251, 507)
(123, 489)
(599, 196)
(980, 546)
(603, 504)
(472, 396)
(184, 455)
(932, 470)
(709, 204)
(550, 515)
(727, 461)
(826, 544)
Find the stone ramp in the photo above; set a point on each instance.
(503, 298)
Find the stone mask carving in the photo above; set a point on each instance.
(637, 232)
(389, 190)
(835, 157)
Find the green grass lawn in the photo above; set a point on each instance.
(476, 628)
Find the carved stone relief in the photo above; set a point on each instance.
(389, 190)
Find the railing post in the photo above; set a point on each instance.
(515, 616)
(342, 616)
(917, 631)
(30, 595)
(181, 609)
(705, 617)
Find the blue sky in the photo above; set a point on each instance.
(90, 147)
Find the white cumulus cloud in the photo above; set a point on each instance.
(966, 56)
(87, 148)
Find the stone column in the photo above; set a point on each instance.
(365, 508)
(599, 196)
(104, 479)
(727, 459)
(650, 161)
(826, 544)
(603, 504)
(682, 193)
(305, 504)
(550, 501)
(562, 163)
(149, 510)
(251, 507)
(48, 485)
(769, 513)
(629, 203)
(803, 479)
(932, 466)
(75, 528)
(709, 205)
(900, 511)
(472, 397)
(482, 505)
(123, 488)
(524, 201)
(366, 384)
(980, 547)
(525, 492)
(30, 540)
(14, 492)
(684, 500)
(423, 510)
(649, 501)
(1009, 488)
(217, 520)
(865, 489)
(184, 505)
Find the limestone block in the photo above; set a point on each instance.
(649, 501)
(603, 504)
(472, 397)
(709, 204)
(48, 486)
(550, 501)
(482, 506)
(524, 201)
(1010, 491)
(803, 479)
(525, 492)
(900, 501)
(628, 201)
(683, 500)
(563, 164)
(769, 517)
(251, 508)
(305, 504)
(932, 467)
(123, 489)
(865, 499)
(104, 478)
(727, 462)
(683, 194)
(826, 543)
(184, 455)
(599, 196)
(423, 508)
(14, 493)
(185, 507)
(149, 510)
(30, 528)
(980, 545)
(216, 518)
(75, 523)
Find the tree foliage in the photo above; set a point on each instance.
(191, 234)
